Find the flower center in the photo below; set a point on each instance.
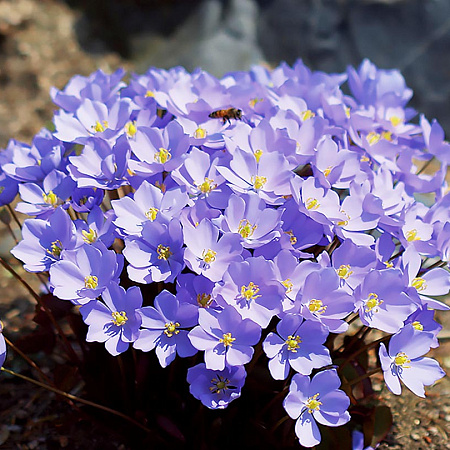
(171, 329)
(250, 292)
(373, 302)
(207, 186)
(119, 318)
(204, 300)
(417, 325)
(219, 384)
(50, 198)
(401, 359)
(90, 282)
(419, 283)
(344, 271)
(411, 235)
(151, 213)
(162, 156)
(200, 133)
(227, 340)
(316, 306)
(395, 121)
(89, 236)
(163, 252)
(56, 248)
(293, 343)
(209, 256)
(130, 128)
(327, 171)
(246, 229)
(312, 203)
(305, 115)
(288, 284)
(292, 237)
(100, 127)
(258, 182)
(313, 404)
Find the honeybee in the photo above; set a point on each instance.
(227, 114)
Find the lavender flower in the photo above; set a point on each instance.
(216, 388)
(404, 361)
(317, 399)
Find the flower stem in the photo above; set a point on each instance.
(70, 351)
(78, 399)
(366, 375)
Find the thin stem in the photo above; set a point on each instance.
(70, 351)
(78, 399)
(280, 422)
(425, 166)
(274, 400)
(363, 377)
(11, 232)
(362, 349)
(437, 264)
(28, 360)
(14, 216)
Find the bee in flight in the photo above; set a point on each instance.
(227, 114)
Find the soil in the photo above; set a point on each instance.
(39, 49)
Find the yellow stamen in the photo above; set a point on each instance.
(419, 283)
(396, 120)
(312, 203)
(50, 198)
(130, 128)
(258, 181)
(250, 292)
(313, 404)
(292, 237)
(305, 115)
(200, 133)
(401, 359)
(364, 158)
(55, 248)
(207, 186)
(91, 282)
(411, 235)
(89, 236)
(100, 127)
(149, 94)
(373, 302)
(327, 171)
(171, 329)
(119, 318)
(288, 284)
(151, 213)
(162, 156)
(344, 271)
(388, 264)
(209, 256)
(293, 343)
(227, 340)
(254, 101)
(316, 306)
(347, 112)
(373, 138)
(163, 252)
(246, 229)
(417, 325)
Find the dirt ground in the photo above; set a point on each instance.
(39, 49)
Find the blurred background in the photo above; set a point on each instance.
(45, 42)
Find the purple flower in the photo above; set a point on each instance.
(44, 240)
(216, 388)
(382, 302)
(208, 255)
(165, 328)
(158, 255)
(404, 361)
(251, 288)
(226, 339)
(196, 289)
(83, 274)
(314, 400)
(116, 321)
(298, 344)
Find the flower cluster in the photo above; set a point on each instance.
(270, 207)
